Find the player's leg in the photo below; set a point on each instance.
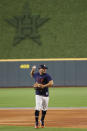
(36, 118)
(37, 109)
(45, 101)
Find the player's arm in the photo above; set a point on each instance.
(32, 71)
(49, 84)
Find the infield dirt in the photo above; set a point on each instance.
(73, 118)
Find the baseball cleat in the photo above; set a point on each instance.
(36, 125)
(42, 124)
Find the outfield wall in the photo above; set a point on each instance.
(65, 72)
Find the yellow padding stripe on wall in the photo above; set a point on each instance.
(47, 59)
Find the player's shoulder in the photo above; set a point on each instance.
(48, 75)
(36, 74)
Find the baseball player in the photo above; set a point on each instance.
(42, 82)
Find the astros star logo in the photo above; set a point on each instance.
(27, 26)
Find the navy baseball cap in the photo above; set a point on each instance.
(43, 67)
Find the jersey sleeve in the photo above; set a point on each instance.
(49, 78)
(34, 75)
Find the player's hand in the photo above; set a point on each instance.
(35, 85)
(34, 68)
(41, 86)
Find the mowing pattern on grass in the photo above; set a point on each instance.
(64, 35)
(59, 97)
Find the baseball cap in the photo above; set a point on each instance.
(43, 67)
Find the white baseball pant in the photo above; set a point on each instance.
(41, 102)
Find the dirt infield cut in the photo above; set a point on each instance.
(73, 118)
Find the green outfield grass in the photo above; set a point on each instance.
(64, 35)
(59, 97)
(18, 128)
